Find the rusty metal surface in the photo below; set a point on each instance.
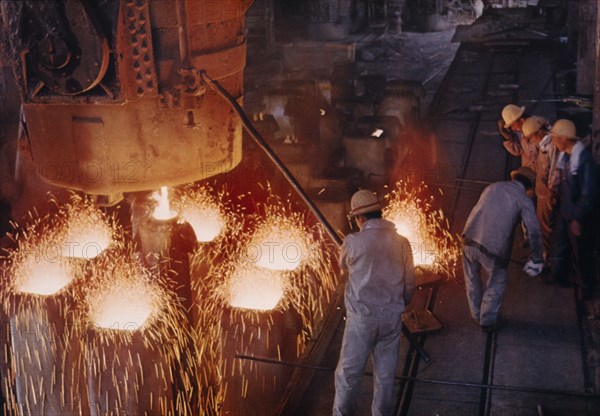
(110, 105)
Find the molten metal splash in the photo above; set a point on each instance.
(276, 261)
(205, 213)
(163, 211)
(123, 308)
(136, 325)
(126, 305)
(427, 229)
(279, 244)
(244, 298)
(42, 276)
(256, 288)
(86, 231)
(122, 296)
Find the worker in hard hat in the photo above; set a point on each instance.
(578, 206)
(516, 143)
(379, 263)
(535, 129)
(488, 239)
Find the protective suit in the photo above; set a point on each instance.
(380, 269)
(488, 238)
(547, 179)
(579, 190)
(527, 149)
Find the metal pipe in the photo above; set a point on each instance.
(184, 42)
(473, 181)
(435, 381)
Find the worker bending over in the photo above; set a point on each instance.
(488, 239)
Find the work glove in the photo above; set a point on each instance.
(532, 268)
(506, 133)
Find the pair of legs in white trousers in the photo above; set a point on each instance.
(364, 337)
(484, 303)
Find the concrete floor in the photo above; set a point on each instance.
(538, 348)
(538, 353)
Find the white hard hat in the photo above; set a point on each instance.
(511, 113)
(364, 201)
(564, 128)
(532, 125)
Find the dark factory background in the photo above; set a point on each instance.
(175, 179)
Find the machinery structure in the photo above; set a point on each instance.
(115, 99)
(112, 95)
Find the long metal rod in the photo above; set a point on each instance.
(434, 381)
(182, 34)
(262, 143)
(473, 181)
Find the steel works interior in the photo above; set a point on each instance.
(175, 182)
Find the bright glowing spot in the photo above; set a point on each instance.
(87, 235)
(163, 210)
(42, 276)
(322, 111)
(410, 227)
(254, 288)
(126, 305)
(278, 245)
(377, 133)
(410, 208)
(207, 221)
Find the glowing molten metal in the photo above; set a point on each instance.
(126, 305)
(163, 210)
(278, 245)
(87, 233)
(207, 221)
(409, 223)
(42, 276)
(255, 288)
(410, 208)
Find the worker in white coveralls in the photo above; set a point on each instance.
(488, 239)
(379, 263)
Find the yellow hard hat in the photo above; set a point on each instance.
(564, 128)
(511, 113)
(364, 201)
(532, 125)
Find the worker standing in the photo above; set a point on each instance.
(535, 129)
(516, 143)
(380, 284)
(488, 238)
(578, 205)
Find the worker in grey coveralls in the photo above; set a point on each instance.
(488, 239)
(380, 269)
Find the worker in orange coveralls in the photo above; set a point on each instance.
(380, 269)
(516, 143)
(547, 178)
